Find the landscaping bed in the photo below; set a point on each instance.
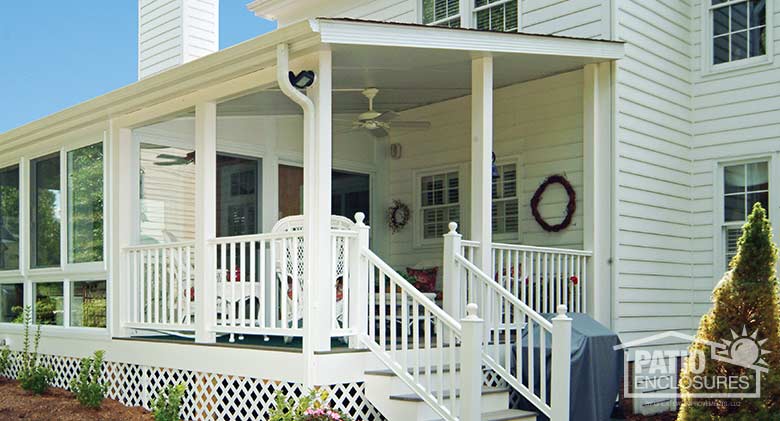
(60, 405)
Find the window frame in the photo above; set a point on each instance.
(418, 240)
(7, 166)
(467, 14)
(720, 225)
(707, 65)
(517, 162)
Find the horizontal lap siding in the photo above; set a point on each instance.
(160, 35)
(384, 10)
(654, 288)
(539, 121)
(736, 114)
(581, 18)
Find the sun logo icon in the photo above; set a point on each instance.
(744, 350)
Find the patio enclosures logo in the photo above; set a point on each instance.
(652, 367)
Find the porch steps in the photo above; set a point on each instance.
(397, 402)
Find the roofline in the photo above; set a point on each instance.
(259, 53)
(389, 34)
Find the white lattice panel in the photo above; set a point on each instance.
(209, 396)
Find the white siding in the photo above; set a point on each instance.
(581, 18)
(654, 290)
(172, 32)
(539, 122)
(736, 116)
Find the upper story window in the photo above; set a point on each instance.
(496, 15)
(492, 15)
(441, 13)
(743, 186)
(739, 29)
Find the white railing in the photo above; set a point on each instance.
(259, 284)
(542, 277)
(161, 277)
(421, 343)
(342, 292)
(520, 344)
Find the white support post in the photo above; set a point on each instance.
(205, 221)
(471, 365)
(124, 177)
(482, 160)
(317, 170)
(560, 387)
(597, 198)
(453, 290)
(358, 288)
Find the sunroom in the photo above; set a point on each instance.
(218, 172)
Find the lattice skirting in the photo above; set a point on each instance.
(210, 396)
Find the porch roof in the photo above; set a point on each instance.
(432, 61)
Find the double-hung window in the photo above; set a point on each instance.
(491, 15)
(738, 29)
(439, 203)
(743, 186)
(505, 203)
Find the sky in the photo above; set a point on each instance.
(55, 53)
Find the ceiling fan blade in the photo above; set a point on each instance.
(388, 116)
(169, 156)
(422, 125)
(172, 163)
(152, 146)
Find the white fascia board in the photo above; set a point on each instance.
(241, 59)
(338, 31)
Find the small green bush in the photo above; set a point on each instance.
(5, 359)
(32, 376)
(308, 408)
(87, 387)
(168, 403)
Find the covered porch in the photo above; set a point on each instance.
(235, 195)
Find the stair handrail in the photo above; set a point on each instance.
(428, 379)
(495, 300)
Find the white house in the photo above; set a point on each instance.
(200, 224)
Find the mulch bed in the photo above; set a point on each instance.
(60, 405)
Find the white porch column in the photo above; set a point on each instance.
(316, 213)
(481, 159)
(597, 158)
(205, 220)
(122, 173)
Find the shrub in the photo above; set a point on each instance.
(87, 387)
(32, 376)
(745, 297)
(5, 359)
(167, 405)
(308, 408)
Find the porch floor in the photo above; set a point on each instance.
(274, 343)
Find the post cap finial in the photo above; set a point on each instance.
(453, 227)
(472, 309)
(360, 217)
(562, 309)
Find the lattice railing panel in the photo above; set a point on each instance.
(209, 396)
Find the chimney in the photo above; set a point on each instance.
(174, 32)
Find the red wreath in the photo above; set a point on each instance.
(571, 207)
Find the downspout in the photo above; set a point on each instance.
(309, 121)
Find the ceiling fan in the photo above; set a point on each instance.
(379, 123)
(168, 160)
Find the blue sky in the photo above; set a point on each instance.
(55, 53)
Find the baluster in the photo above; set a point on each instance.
(231, 278)
(542, 363)
(254, 282)
(157, 285)
(416, 338)
(519, 347)
(531, 353)
(296, 282)
(545, 281)
(428, 350)
(558, 281)
(223, 279)
(393, 319)
(440, 352)
(346, 286)
(274, 283)
(382, 309)
(567, 291)
(171, 288)
(188, 284)
(453, 381)
(372, 291)
(180, 295)
(285, 286)
(498, 268)
(241, 277)
(584, 281)
(163, 286)
(537, 282)
(404, 333)
(508, 327)
(334, 280)
(136, 285)
(523, 277)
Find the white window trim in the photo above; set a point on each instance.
(468, 13)
(518, 195)
(418, 241)
(707, 66)
(719, 224)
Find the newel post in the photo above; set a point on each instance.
(561, 366)
(449, 273)
(471, 365)
(358, 272)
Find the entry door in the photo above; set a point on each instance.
(351, 192)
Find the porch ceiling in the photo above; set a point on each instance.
(413, 67)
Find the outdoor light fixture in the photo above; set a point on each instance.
(495, 168)
(302, 80)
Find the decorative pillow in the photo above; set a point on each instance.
(425, 279)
